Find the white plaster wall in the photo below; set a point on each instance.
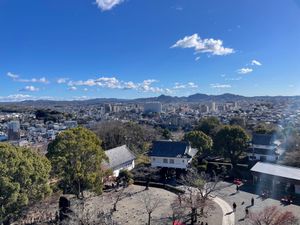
(129, 167)
(264, 146)
(178, 162)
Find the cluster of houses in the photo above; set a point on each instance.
(164, 154)
(179, 154)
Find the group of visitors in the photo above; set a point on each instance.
(234, 206)
(286, 200)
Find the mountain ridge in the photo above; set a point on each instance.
(194, 98)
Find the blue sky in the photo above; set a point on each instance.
(58, 49)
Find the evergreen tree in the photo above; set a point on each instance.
(76, 157)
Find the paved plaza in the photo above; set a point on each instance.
(243, 200)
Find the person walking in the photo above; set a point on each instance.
(237, 188)
(246, 212)
(252, 201)
(234, 206)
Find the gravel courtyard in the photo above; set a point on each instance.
(131, 208)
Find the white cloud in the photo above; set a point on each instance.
(33, 80)
(233, 78)
(220, 85)
(13, 76)
(14, 98)
(80, 98)
(185, 86)
(245, 70)
(130, 85)
(62, 80)
(105, 5)
(72, 88)
(192, 85)
(17, 78)
(108, 82)
(169, 91)
(211, 46)
(24, 97)
(178, 8)
(144, 86)
(89, 82)
(30, 88)
(255, 63)
(42, 80)
(179, 86)
(114, 83)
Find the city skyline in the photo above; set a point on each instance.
(132, 49)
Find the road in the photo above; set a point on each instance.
(228, 214)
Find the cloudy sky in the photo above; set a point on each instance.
(59, 49)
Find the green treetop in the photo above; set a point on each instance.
(209, 126)
(76, 157)
(231, 141)
(24, 178)
(199, 140)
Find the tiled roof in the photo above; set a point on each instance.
(118, 156)
(277, 170)
(173, 149)
(262, 139)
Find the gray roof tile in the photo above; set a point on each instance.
(277, 170)
(118, 156)
(263, 139)
(173, 149)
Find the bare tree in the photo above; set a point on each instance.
(273, 216)
(117, 196)
(177, 209)
(204, 183)
(198, 188)
(150, 203)
(89, 217)
(186, 206)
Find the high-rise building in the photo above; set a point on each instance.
(107, 108)
(213, 107)
(116, 108)
(236, 105)
(152, 107)
(204, 108)
(13, 131)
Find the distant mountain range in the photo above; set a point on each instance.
(227, 97)
(195, 98)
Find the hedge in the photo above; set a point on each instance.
(160, 185)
